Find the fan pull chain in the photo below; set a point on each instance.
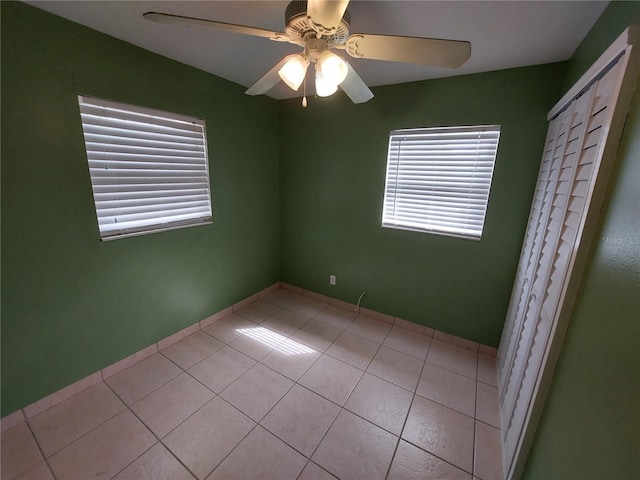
(304, 92)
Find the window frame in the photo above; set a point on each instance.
(178, 170)
(431, 169)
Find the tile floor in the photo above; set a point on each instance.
(286, 388)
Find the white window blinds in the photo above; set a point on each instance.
(149, 169)
(438, 179)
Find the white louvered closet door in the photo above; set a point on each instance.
(569, 170)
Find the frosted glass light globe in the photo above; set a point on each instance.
(324, 87)
(293, 71)
(333, 67)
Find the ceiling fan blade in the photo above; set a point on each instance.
(229, 27)
(423, 51)
(268, 80)
(325, 15)
(355, 88)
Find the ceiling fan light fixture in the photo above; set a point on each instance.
(324, 87)
(334, 68)
(293, 71)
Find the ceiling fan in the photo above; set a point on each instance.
(319, 26)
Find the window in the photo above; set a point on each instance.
(438, 179)
(149, 169)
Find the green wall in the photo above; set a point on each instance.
(72, 304)
(332, 168)
(590, 425)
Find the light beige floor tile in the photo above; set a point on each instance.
(396, 367)
(317, 335)
(336, 317)
(144, 377)
(488, 456)
(203, 440)
(257, 342)
(192, 349)
(488, 405)
(354, 448)
(369, 328)
(448, 388)
(257, 391)
(354, 350)
(19, 452)
(258, 311)
(260, 456)
(454, 358)
(314, 472)
(156, 463)
(171, 404)
(58, 426)
(285, 322)
(301, 419)
(227, 329)
(281, 298)
(104, 451)
(292, 359)
(441, 431)
(39, 472)
(487, 370)
(331, 378)
(408, 342)
(413, 463)
(380, 402)
(220, 369)
(306, 306)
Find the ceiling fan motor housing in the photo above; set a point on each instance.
(298, 28)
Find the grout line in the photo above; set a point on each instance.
(475, 416)
(35, 439)
(237, 444)
(429, 452)
(182, 463)
(404, 424)
(53, 475)
(159, 440)
(314, 463)
(27, 421)
(341, 407)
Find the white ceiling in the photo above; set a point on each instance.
(503, 34)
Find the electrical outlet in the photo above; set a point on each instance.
(332, 279)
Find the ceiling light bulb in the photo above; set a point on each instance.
(333, 67)
(293, 71)
(324, 87)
